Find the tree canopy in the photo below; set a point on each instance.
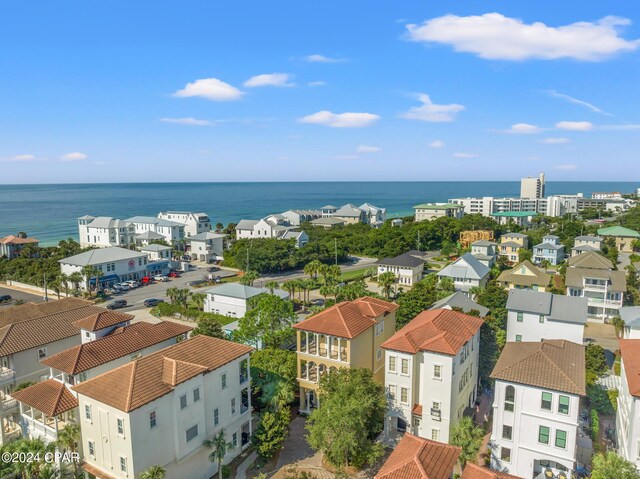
(269, 319)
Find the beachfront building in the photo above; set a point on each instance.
(430, 211)
(485, 252)
(171, 231)
(606, 196)
(297, 217)
(328, 222)
(115, 264)
(273, 226)
(510, 244)
(348, 334)
(350, 214)
(11, 246)
(538, 386)
(535, 315)
(374, 215)
(194, 223)
(328, 210)
(525, 276)
(628, 410)
(157, 252)
(623, 237)
(592, 276)
(532, 186)
(461, 301)
(188, 392)
(407, 268)
(431, 373)
(232, 299)
(550, 250)
(466, 272)
(104, 231)
(207, 247)
(586, 243)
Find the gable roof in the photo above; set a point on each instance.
(146, 379)
(149, 236)
(206, 235)
(588, 238)
(246, 224)
(539, 277)
(241, 291)
(554, 364)
(591, 259)
(460, 300)
(405, 259)
(547, 245)
(556, 307)
(12, 239)
(473, 471)
(155, 247)
(618, 231)
(152, 220)
(630, 349)
(347, 319)
(122, 342)
(441, 331)
(514, 235)
(107, 222)
(102, 319)
(49, 396)
(348, 210)
(574, 277)
(328, 220)
(467, 266)
(27, 311)
(631, 316)
(101, 255)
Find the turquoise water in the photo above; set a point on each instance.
(49, 212)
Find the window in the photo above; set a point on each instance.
(233, 405)
(518, 338)
(519, 316)
(392, 392)
(509, 398)
(405, 366)
(543, 435)
(507, 431)
(541, 318)
(561, 439)
(87, 412)
(123, 464)
(379, 327)
(416, 422)
(404, 395)
(435, 434)
(120, 423)
(379, 354)
(42, 353)
(216, 417)
(152, 419)
(234, 440)
(183, 401)
(546, 401)
(224, 381)
(192, 433)
(437, 371)
(392, 364)
(196, 395)
(563, 405)
(505, 454)
(92, 448)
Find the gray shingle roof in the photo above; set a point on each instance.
(239, 291)
(155, 247)
(631, 316)
(207, 235)
(246, 224)
(152, 220)
(101, 255)
(462, 301)
(556, 307)
(465, 267)
(588, 238)
(349, 210)
(549, 246)
(514, 235)
(406, 260)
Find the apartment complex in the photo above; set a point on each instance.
(532, 187)
(104, 231)
(194, 223)
(171, 231)
(11, 246)
(430, 211)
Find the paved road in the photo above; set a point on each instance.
(26, 297)
(359, 263)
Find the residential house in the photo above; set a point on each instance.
(466, 272)
(188, 392)
(584, 244)
(347, 334)
(431, 211)
(274, 226)
(194, 223)
(157, 252)
(536, 407)
(631, 317)
(418, 458)
(520, 218)
(525, 276)
(300, 237)
(297, 217)
(374, 216)
(11, 246)
(510, 244)
(232, 299)
(407, 268)
(172, 231)
(473, 471)
(105, 231)
(593, 276)
(148, 238)
(116, 265)
(628, 405)
(485, 252)
(535, 315)
(207, 247)
(328, 222)
(396, 222)
(328, 210)
(431, 373)
(350, 214)
(623, 237)
(462, 301)
(550, 250)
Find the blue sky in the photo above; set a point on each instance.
(332, 90)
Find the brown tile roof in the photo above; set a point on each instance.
(103, 319)
(347, 319)
(146, 379)
(27, 311)
(50, 396)
(417, 409)
(96, 471)
(418, 458)
(590, 259)
(539, 277)
(120, 343)
(550, 364)
(11, 239)
(438, 330)
(630, 349)
(473, 471)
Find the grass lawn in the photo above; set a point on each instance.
(355, 274)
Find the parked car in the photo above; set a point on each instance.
(160, 277)
(212, 269)
(117, 304)
(132, 283)
(185, 257)
(147, 280)
(174, 274)
(5, 298)
(123, 286)
(151, 302)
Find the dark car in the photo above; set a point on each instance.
(151, 302)
(117, 304)
(213, 269)
(5, 297)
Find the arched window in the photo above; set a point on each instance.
(313, 372)
(509, 398)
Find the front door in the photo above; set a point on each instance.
(105, 437)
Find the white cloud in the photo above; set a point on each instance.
(523, 129)
(575, 101)
(269, 79)
(566, 167)
(465, 155)
(367, 149)
(187, 121)
(317, 83)
(74, 156)
(436, 144)
(574, 125)
(341, 120)
(22, 158)
(497, 37)
(429, 111)
(317, 58)
(211, 89)
(554, 141)
(346, 157)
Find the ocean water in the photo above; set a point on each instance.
(49, 212)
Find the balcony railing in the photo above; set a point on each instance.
(244, 407)
(7, 374)
(436, 414)
(595, 287)
(8, 404)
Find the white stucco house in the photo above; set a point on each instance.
(631, 317)
(534, 316)
(157, 252)
(408, 267)
(628, 412)
(171, 231)
(431, 373)
(273, 226)
(466, 272)
(104, 231)
(297, 217)
(194, 223)
(536, 407)
(231, 299)
(374, 215)
(207, 247)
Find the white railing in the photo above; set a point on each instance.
(7, 374)
(596, 287)
(8, 404)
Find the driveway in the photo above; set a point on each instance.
(22, 295)
(296, 449)
(602, 334)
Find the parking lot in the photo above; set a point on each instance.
(21, 295)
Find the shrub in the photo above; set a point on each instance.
(595, 424)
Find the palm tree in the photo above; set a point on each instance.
(289, 287)
(68, 440)
(89, 272)
(271, 286)
(468, 437)
(219, 445)
(249, 277)
(172, 294)
(312, 268)
(198, 299)
(75, 278)
(386, 281)
(277, 393)
(64, 280)
(154, 472)
(219, 227)
(55, 286)
(325, 291)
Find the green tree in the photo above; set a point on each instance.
(419, 298)
(75, 278)
(312, 268)
(595, 362)
(270, 319)
(386, 282)
(524, 255)
(64, 281)
(198, 300)
(611, 466)
(68, 441)
(249, 278)
(219, 446)
(468, 437)
(618, 324)
(208, 326)
(89, 272)
(271, 432)
(271, 286)
(178, 296)
(154, 472)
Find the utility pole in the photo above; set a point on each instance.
(247, 267)
(418, 240)
(44, 282)
(336, 250)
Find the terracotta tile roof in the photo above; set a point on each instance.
(551, 364)
(50, 396)
(146, 379)
(347, 319)
(438, 330)
(120, 343)
(96, 471)
(26, 311)
(473, 471)
(11, 239)
(539, 277)
(630, 349)
(418, 458)
(103, 319)
(417, 409)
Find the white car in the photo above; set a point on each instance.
(132, 284)
(123, 286)
(161, 278)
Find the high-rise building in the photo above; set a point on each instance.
(532, 187)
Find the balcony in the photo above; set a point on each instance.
(7, 375)
(8, 405)
(436, 414)
(595, 287)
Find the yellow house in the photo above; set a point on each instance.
(510, 243)
(348, 334)
(525, 276)
(624, 237)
